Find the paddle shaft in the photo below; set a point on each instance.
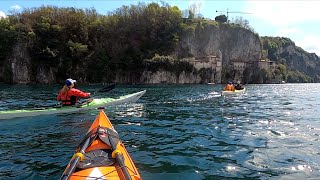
(120, 160)
(123, 166)
(106, 89)
(75, 161)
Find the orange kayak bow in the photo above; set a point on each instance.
(101, 155)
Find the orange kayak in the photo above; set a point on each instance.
(101, 155)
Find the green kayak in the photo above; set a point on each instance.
(95, 103)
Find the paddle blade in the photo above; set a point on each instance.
(108, 88)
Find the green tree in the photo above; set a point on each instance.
(244, 23)
(283, 71)
(7, 38)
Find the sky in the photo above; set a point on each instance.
(298, 20)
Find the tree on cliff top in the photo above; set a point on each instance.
(194, 10)
(240, 21)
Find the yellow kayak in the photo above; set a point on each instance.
(233, 92)
(101, 155)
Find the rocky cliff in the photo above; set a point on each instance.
(18, 64)
(49, 44)
(232, 43)
(284, 51)
(235, 43)
(20, 68)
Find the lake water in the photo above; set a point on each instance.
(184, 132)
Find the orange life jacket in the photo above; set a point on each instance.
(229, 87)
(71, 97)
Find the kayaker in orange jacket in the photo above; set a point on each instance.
(69, 95)
(229, 87)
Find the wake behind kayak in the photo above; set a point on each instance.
(95, 103)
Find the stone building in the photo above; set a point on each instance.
(266, 64)
(212, 62)
(239, 65)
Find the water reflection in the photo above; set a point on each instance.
(131, 110)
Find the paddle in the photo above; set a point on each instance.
(80, 154)
(119, 157)
(75, 161)
(106, 89)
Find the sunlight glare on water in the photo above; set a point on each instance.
(175, 132)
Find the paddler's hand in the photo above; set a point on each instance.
(90, 100)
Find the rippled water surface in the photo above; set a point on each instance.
(175, 132)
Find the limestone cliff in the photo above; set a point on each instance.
(283, 50)
(224, 44)
(232, 42)
(205, 41)
(235, 43)
(20, 68)
(168, 77)
(19, 64)
(45, 74)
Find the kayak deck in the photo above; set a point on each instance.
(100, 155)
(103, 102)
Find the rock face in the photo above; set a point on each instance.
(303, 62)
(19, 68)
(20, 64)
(235, 43)
(45, 75)
(293, 56)
(232, 43)
(163, 76)
(298, 59)
(225, 41)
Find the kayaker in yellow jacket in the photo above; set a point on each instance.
(229, 87)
